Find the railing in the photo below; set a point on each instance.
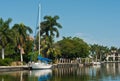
(77, 60)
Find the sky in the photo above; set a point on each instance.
(95, 21)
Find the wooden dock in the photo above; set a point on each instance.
(67, 65)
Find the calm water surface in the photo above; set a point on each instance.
(105, 72)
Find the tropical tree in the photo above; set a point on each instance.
(94, 51)
(118, 50)
(113, 49)
(99, 51)
(28, 47)
(22, 34)
(5, 34)
(50, 25)
(49, 29)
(73, 47)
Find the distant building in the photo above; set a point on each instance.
(113, 56)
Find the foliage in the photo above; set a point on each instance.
(10, 49)
(99, 51)
(5, 34)
(28, 47)
(73, 47)
(32, 56)
(54, 52)
(22, 34)
(50, 25)
(14, 39)
(4, 30)
(49, 29)
(5, 62)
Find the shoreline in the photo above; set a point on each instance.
(59, 65)
(14, 68)
(26, 67)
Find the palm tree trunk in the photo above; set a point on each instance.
(100, 57)
(21, 56)
(96, 58)
(2, 53)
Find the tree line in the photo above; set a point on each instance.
(16, 42)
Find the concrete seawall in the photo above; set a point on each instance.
(25, 67)
(13, 68)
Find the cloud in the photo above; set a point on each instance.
(59, 38)
(90, 39)
(86, 37)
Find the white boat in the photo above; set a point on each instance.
(42, 62)
(96, 63)
(41, 65)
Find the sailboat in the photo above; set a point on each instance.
(42, 62)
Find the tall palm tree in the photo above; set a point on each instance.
(22, 33)
(5, 34)
(50, 25)
(99, 51)
(49, 29)
(95, 51)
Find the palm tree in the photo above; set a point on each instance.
(95, 51)
(49, 26)
(5, 34)
(48, 29)
(99, 51)
(22, 33)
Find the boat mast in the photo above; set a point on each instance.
(39, 21)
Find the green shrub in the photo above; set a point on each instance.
(2, 63)
(5, 62)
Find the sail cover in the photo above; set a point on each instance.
(44, 59)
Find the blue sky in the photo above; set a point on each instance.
(95, 21)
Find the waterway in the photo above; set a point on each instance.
(104, 72)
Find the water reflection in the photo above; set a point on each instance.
(15, 75)
(105, 72)
(33, 75)
(113, 70)
(43, 75)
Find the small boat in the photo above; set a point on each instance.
(96, 63)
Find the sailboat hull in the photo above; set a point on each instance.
(96, 63)
(41, 66)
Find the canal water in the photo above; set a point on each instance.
(105, 72)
